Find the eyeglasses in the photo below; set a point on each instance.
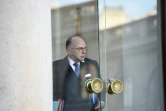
(80, 48)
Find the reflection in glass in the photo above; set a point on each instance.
(129, 46)
(75, 19)
(68, 20)
(129, 34)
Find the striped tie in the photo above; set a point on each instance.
(77, 69)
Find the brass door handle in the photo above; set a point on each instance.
(94, 86)
(114, 87)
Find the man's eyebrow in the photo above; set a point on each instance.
(82, 47)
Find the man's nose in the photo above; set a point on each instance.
(84, 51)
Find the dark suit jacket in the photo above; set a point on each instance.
(70, 88)
(62, 69)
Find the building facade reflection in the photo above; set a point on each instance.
(127, 49)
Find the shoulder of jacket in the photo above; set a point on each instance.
(87, 60)
(58, 61)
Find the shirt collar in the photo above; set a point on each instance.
(71, 62)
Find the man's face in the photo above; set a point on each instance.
(77, 50)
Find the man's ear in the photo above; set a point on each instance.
(68, 50)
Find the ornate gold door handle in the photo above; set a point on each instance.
(114, 87)
(94, 86)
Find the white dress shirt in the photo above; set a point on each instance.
(71, 62)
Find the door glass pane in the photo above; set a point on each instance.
(130, 50)
(72, 17)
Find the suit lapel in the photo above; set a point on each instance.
(83, 72)
(66, 66)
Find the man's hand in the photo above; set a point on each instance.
(99, 105)
(97, 108)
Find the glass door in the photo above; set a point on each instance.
(123, 38)
(78, 19)
(130, 51)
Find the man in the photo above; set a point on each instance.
(69, 76)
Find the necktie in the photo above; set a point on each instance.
(77, 69)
